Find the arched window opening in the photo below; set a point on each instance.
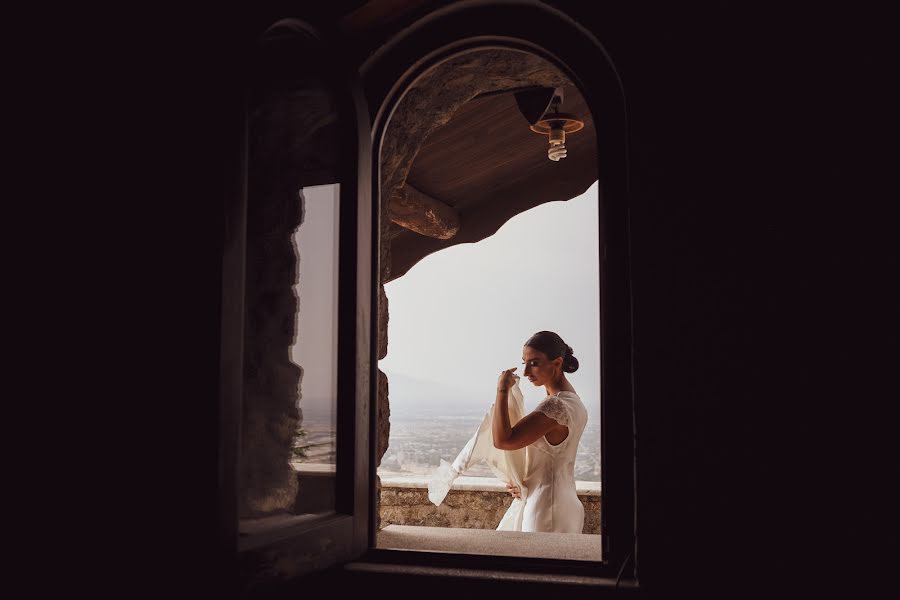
(460, 160)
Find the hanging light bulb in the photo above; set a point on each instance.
(557, 148)
(556, 125)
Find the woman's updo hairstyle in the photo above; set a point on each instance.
(553, 346)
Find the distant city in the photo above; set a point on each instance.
(419, 439)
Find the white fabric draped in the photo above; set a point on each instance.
(507, 465)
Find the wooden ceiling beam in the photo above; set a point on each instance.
(413, 210)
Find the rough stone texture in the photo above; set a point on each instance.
(472, 509)
(271, 381)
(379, 523)
(440, 92)
(384, 255)
(271, 564)
(382, 322)
(289, 146)
(592, 508)
(469, 509)
(384, 408)
(384, 414)
(293, 138)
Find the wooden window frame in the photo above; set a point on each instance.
(547, 33)
(445, 32)
(347, 527)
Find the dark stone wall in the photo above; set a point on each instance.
(763, 262)
(758, 342)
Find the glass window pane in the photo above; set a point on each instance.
(287, 461)
(315, 348)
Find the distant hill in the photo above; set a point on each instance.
(410, 394)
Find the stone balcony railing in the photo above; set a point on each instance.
(464, 523)
(472, 503)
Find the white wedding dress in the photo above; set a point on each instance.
(544, 473)
(552, 504)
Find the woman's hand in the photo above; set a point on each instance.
(513, 490)
(506, 380)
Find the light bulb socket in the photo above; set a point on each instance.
(568, 123)
(557, 135)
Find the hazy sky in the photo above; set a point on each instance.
(314, 347)
(461, 315)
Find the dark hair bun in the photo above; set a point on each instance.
(553, 346)
(570, 363)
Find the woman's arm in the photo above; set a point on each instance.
(528, 430)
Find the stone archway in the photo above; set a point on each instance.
(427, 106)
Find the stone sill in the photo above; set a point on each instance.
(568, 546)
(303, 467)
(472, 503)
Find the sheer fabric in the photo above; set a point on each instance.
(508, 466)
(544, 473)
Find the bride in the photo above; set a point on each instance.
(550, 435)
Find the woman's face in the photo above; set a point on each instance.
(538, 368)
